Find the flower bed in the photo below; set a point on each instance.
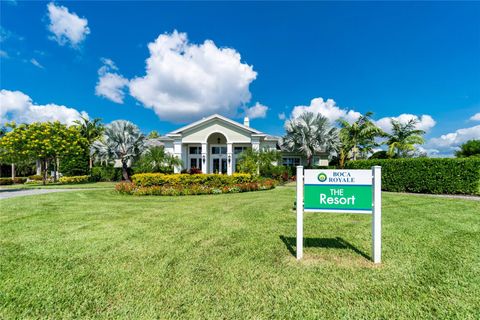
(192, 189)
(210, 180)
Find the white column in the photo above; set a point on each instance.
(299, 212)
(255, 144)
(377, 215)
(229, 159)
(204, 158)
(177, 151)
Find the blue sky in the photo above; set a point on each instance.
(269, 60)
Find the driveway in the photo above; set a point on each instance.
(11, 193)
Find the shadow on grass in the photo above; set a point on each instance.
(334, 243)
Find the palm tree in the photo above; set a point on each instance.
(309, 134)
(90, 130)
(358, 137)
(155, 159)
(121, 140)
(403, 138)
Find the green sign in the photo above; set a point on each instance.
(338, 197)
(338, 190)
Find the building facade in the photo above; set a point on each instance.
(213, 145)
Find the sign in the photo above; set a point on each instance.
(347, 191)
(338, 191)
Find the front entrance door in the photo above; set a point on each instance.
(218, 162)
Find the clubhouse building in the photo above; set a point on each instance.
(213, 145)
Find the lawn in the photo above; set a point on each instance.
(96, 254)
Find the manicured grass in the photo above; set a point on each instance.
(96, 254)
(92, 185)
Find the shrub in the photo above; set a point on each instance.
(424, 175)
(106, 173)
(19, 180)
(211, 180)
(35, 177)
(74, 179)
(5, 181)
(193, 189)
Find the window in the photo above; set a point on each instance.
(219, 150)
(238, 150)
(196, 163)
(291, 161)
(195, 150)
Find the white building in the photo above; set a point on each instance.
(213, 145)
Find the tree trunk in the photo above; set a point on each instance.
(125, 171)
(55, 168)
(44, 172)
(13, 170)
(309, 161)
(90, 163)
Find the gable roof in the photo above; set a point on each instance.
(210, 118)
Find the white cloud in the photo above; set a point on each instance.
(185, 81)
(17, 106)
(110, 85)
(257, 111)
(282, 116)
(3, 54)
(448, 143)
(328, 109)
(36, 63)
(475, 117)
(425, 122)
(67, 28)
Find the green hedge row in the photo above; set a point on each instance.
(426, 175)
(211, 180)
(74, 179)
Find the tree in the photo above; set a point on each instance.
(401, 142)
(258, 162)
(91, 130)
(122, 141)
(309, 134)
(153, 134)
(155, 159)
(46, 141)
(358, 138)
(471, 148)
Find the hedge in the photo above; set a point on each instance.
(74, 179)
(16, 180)
(210, 180)
(426, 175)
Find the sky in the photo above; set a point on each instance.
(164, 64)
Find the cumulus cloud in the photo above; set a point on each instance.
(185, 81)
(66, 27)
(19, 107)
(425, 122)
(110, 85)
(450, 142)
(256, 111)
(475, 117)
(328, 109)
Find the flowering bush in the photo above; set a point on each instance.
(212, 180)
(193, 189)
(74, 179)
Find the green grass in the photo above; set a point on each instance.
(96, 254)
(92, 185)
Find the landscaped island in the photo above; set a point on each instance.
(193, 184)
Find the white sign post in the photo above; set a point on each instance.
(348, 191)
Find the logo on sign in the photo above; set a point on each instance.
(322, 177)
